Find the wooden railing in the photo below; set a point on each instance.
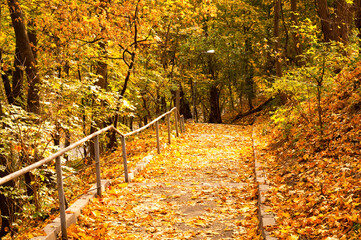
(179, 120)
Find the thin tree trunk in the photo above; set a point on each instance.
(7, 87)
(131, 123)
(296, 39)
(286, 32)
(177, 98)
(249, 71)
(277, 9)
(357, 18)
(18, 79)
(215, 114)
(231, 94)
(112, 141)
(157, 103)
(250, 92)
(102, 75)
(83, 102)
(163, 104)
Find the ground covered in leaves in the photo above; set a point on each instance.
(202, 186)
(316, 176)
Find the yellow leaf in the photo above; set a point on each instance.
(122, 185)
(293, 237)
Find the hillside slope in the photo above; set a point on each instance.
(316, 175)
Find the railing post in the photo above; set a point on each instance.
(183, 128)
(176, 122)
(181, 123)
(157, 133)
(97, 165)
(59, 178)
(168, 123)
(124, 151)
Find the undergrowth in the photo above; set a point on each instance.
(316, 172)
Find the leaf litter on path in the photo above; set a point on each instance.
(200, 187)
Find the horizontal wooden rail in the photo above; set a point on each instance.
(24, 170)
(150, 124)
(57, 155)
(37, 164)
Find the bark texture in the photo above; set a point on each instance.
(26, 56)
(276, 32)
(335, 27)
(296, 39)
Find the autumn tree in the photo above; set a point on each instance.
(26, 56)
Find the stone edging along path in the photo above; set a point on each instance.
(53, 229)
(266, 218)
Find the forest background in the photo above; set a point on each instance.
(69, 68)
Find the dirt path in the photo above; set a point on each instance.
(200, 187)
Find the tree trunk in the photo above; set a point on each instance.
(343, 21)
(157, 103)
(296, 39)
(18, 79)
(33, 41)
(26, 56)
(215, 113)
(336, 28)
(182, 103)
(112, 141)
(286, 38)
(7, 87)
(146, 107)
(357, 19)
(249, 74)
(131, 122)
(250, 91)
(326, 22)
(177, 98)
(185, 108)
(102, 74)
(163, 104)
(276, 33)
(194, 101)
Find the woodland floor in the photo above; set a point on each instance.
(202, 186)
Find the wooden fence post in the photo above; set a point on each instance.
(157, 133)
(183, 128)
(181, 123)
(168, 123)
(176, 122)
(124, 151)
(59, 178)
(97, 165)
